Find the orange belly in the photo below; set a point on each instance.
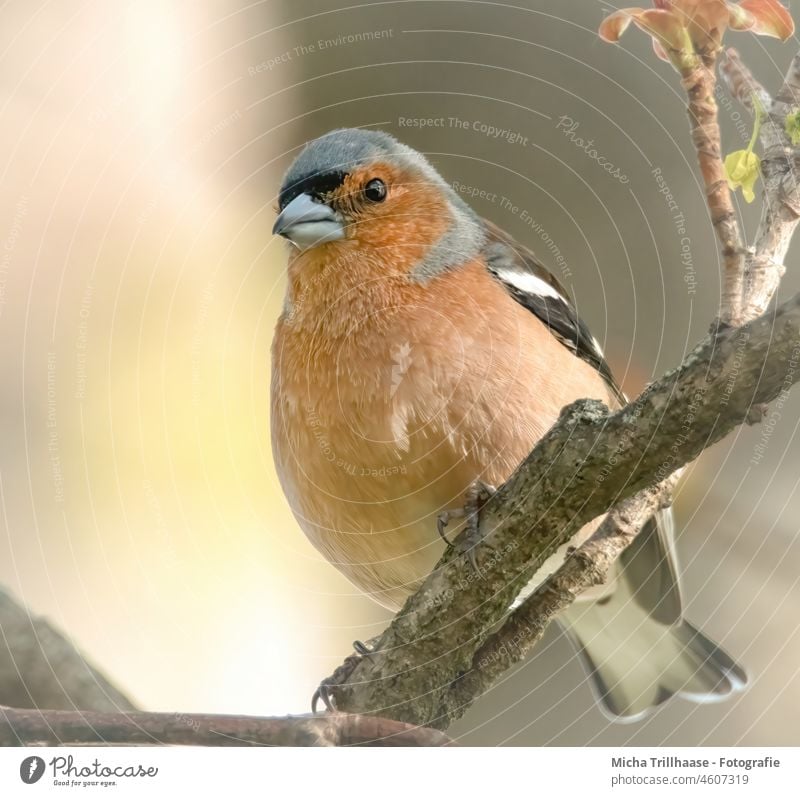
(372, 441)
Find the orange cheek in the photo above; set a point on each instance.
(403, 229)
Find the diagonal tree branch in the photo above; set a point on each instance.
(566, 481)
(590, 563)
(586, 566)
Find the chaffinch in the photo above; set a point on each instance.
(421, 351)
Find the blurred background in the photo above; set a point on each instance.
(141, 148)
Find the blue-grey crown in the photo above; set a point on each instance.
(325, 161)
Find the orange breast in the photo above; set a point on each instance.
(389, 399)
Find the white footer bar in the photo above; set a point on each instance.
(399, 772)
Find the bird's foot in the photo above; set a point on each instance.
(325, 689)
(478, 495)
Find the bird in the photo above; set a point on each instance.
(420, 351)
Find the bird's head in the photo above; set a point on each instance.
(364, 188)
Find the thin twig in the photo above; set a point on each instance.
(61, 728)
(699, 80)
(780, 208)
(740, 81)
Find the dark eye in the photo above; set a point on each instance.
(375, 190)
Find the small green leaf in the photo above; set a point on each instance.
(742, 169)
(793, 127)
(743, 166)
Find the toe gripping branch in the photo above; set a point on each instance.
(478, 495)
(467, 544)
(325, 690)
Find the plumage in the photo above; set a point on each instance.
(422, 350)
(536, 289)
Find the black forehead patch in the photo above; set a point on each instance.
(314, 184)
(332, 156)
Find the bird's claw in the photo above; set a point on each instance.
(323, 693)
(476, 498)
(361, 648)
(325, 689)
(443, 520)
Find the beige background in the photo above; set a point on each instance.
(140, 153)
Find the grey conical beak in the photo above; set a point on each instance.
(307, 223)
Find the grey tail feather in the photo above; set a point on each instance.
(635, 671)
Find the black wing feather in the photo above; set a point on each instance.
(649, 563)
(505, 256)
